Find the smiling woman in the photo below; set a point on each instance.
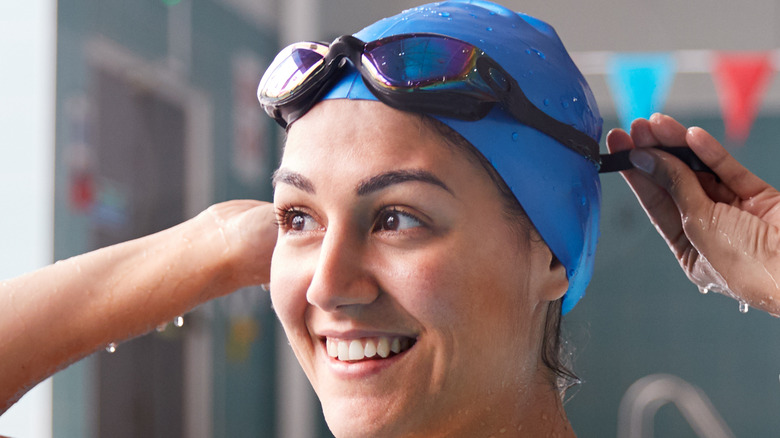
(434, 223)
(436, 214)
(402, 267)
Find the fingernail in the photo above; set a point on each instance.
(642, 160)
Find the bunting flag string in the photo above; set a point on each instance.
(640, 82)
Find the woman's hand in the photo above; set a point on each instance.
(725, 234)
(246, 238)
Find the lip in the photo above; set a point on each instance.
(359, 369)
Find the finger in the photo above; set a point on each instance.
(676, 178)
(642, 133)
(741, 181)
(619, 140)
(658, 205)
(668, 131)
(715, 189)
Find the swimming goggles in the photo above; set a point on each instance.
(419, 72)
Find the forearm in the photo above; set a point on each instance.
(63, 312)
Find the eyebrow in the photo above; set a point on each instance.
(294, 179)
(381, 181)
(365, 187)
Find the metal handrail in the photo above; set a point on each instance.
(643, 399)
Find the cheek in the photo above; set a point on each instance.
(476, 313)
(422, 283)
(458, 279)
(473, 293)
(457, 297)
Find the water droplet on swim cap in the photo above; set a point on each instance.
(546, 101)
(536, 52)
(444, 14)
(489, 29)
(515, 136)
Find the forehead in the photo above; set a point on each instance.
(366, 135)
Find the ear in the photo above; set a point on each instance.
(555, 281)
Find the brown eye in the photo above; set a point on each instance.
(300, 222)
(396, 220)
(390, 221)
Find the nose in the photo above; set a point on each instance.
(341, 278)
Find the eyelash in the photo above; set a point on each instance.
(284, 215)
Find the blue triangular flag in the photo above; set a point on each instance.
(640, 83)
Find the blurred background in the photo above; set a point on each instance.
(121, 118)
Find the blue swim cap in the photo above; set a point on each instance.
(558, 188)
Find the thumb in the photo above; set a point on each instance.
(675, 177)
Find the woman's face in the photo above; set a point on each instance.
(410, 300)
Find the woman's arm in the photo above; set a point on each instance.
(725, 234)
(65, 311)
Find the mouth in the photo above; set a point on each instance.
(374, 348)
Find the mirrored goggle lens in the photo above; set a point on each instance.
(419, 61)
(290, 69)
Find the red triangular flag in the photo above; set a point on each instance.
(741, 78)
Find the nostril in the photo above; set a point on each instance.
(332, 291)
(333, 296)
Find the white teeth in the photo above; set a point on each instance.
(359, 349)
(343, 351)
(370, 350)
(355, 350)
(383, 347)
(333, 348)
(395, 346)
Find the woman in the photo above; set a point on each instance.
(412, 295)
(422, 261)
(417, 295)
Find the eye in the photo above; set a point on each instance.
(396, 220)
(297, 221)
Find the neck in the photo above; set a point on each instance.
(544, 416)
(539, 413)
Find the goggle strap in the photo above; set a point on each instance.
(619, 160)
(520, 107)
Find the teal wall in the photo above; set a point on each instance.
(642, 316)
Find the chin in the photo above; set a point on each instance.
(355, 419)
(343, 426)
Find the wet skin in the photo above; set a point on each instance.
(386, 230)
